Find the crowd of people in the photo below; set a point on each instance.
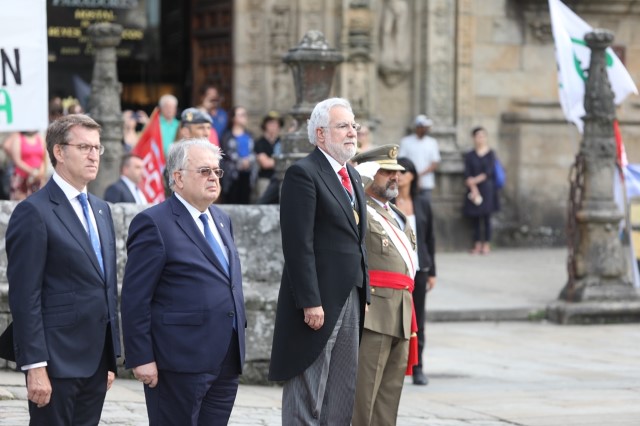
(359, 259)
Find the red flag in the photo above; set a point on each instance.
(621, 153)
(149, 148)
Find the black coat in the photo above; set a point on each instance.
(325, 257)
(424, 234)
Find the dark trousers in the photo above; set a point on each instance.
(76, 402)
(480, 222)
(195, 398)
(419, 302)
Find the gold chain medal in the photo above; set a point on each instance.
(356, 216)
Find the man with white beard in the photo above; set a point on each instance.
(324, 284)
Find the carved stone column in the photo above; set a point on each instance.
(313, 64)
(599, 270)
(104, 102)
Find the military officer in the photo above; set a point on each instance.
(389, 323)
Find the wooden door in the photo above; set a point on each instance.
(211, 44)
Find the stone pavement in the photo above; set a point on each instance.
(481, 373)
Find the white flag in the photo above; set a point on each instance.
(573, 57)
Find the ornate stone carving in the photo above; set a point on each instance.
(313, 64)
(104, 102)
(599, 270)
(395, 60)
(280, 29)
(360, 27)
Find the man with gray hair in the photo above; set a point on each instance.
(169, 124)
(183, 316)
(324, 284)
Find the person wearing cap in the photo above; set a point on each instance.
(388, 349)
(265, 148)
(424, 152)
(197, 124)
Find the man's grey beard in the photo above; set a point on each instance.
(385, 193)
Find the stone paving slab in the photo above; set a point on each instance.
(481, 374)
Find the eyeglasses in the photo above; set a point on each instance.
(207, 171)
(346, 126)
(86, 148)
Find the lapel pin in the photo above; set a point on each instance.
(221, 225)
(100, 211)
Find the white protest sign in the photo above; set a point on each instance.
(23, 65)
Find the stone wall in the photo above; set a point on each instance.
(470, 62)
(257, 235)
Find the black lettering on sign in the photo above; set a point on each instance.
(5, 61)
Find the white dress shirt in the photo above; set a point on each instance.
(133, 188)
(195, 213)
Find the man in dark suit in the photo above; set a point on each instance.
(183, 315)
(62, 283)
(125, 189)
(324, 283)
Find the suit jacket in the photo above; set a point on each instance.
(178, 304)
(424, 234)
(324, 258)
(119, 192)
(390, 310)
(60, 301)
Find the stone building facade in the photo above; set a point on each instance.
(463, 63)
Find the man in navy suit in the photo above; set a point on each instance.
(62, 283)
(183, 315)
(125, 189)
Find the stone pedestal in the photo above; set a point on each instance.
(598, 273)
(104, 102)
(259, 244)
(313, 64)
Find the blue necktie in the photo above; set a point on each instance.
(217, 250)
(93, 235)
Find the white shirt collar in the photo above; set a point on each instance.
(380, 203)
(69, 190)
(194, 212)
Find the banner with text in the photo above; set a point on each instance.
(23, 65)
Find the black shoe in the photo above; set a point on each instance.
(419, 378)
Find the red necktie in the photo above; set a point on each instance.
(346, 182)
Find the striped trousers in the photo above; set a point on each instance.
(324, 393)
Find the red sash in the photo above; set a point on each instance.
(397, 281)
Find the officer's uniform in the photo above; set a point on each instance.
(384, 348)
